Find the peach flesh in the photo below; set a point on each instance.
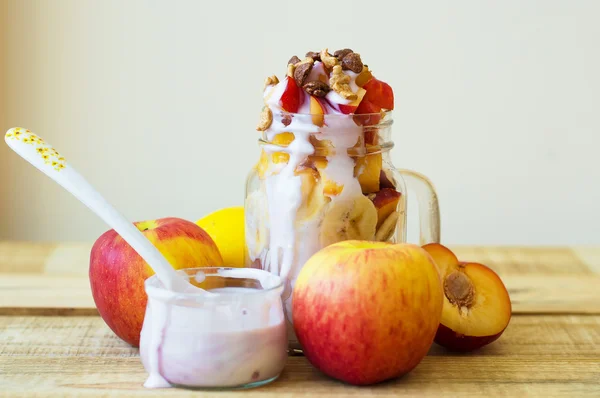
(477, 307)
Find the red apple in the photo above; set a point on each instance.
(290, 99)
(379, 93)
(117, 272)
(365, 312)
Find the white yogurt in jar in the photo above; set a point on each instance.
(234, 338)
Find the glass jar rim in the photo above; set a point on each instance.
(155, 289)
(383, 118)
(341, 115)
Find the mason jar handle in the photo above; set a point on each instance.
(429, 211)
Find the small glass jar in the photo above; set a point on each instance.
(322, 179)
(233, 339)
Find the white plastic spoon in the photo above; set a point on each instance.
(44, 157)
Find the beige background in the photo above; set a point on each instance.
(155, 102)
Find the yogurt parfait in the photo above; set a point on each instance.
(324, 174)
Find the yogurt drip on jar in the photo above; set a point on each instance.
(292, 243)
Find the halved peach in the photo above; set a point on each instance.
(385, 201)
(477, 306)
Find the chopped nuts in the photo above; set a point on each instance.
(290, 71)
(294, 60)
(307, 60)
(340, 54)
(352, 62)
(271, 81)
(340, 83)
(316, 88)
(266, 118)
(314, 55)
(302, 71)
(327, 59)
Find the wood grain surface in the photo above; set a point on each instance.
(541, 355)
(539, 280)
(52, 344)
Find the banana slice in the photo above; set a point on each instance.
(257, 222)
(387, 228)
(348, 219)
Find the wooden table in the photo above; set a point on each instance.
(52, 342)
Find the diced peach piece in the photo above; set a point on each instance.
(330, 187)
(363, 77)
(386, 202)
(386, 179)
(477, 307)
(317, 110)
(371, 136)
(368, 170)
(282, 139)
(372, 111)
(352, 106)
(379, 93)
(320, 144)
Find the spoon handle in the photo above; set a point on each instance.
(45, 158)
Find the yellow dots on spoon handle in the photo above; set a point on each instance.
(17, 136)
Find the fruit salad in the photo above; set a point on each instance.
(321, 177)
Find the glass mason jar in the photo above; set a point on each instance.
(322, 179)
